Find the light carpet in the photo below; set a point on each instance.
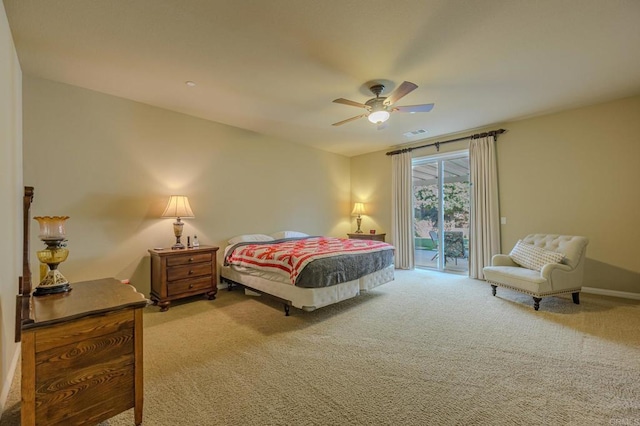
(426, 349)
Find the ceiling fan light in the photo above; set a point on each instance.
(378, 117)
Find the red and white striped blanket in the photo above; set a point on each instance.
(291, 256)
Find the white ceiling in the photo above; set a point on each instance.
(275, 66)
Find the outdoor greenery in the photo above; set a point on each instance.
(423, 243)
(456, 207)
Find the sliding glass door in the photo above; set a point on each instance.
(441, 211)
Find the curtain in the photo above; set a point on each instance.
(485, 221)
(402, 213)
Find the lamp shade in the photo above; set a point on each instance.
(379, 116)
(178, 206)
(358, 209)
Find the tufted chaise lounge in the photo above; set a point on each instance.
(552, 278)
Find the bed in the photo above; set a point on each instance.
(306, 272)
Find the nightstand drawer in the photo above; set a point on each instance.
(189, 259)
(185, 286)
(188, 271)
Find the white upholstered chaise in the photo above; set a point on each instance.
(552, 278)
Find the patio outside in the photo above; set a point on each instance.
(456, 206)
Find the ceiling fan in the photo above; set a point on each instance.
(379, 108)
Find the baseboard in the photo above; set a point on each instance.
(613, 293)
(6, 386)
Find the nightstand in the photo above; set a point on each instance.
(176, 274)
(363, 236)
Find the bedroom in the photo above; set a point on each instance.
(117, 160)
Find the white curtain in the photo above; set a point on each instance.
(402, 213)
(485, 221)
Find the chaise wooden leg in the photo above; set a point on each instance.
(536, 303)
(576, 297)
(493, 289)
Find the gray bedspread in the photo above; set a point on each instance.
(340, 269)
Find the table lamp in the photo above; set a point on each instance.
(53, 235)
(178, 207)
(358, 209)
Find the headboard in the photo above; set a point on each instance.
(24, 282)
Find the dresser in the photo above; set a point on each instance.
(82, 355)
(176, 274)
(363, 236)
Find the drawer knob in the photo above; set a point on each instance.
(190, 285)
(190, 272)
(191, 259)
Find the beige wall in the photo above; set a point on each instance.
(11, 205)
(577, 172)
(573, 172)
(111, 164)
(371, 185)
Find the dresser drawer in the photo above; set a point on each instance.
(185, 286)
(188, 259)
(189, 271)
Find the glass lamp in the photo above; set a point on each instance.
(53, 235)
(378, 116)
(178, 207)
(358, 209)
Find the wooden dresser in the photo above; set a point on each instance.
(363, 236)
(182, 273)
(82, 355)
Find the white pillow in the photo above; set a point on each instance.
(532, 257)
(250, 238)
(288, 234)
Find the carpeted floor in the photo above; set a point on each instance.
(426, 349)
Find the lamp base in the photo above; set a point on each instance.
(359, 222)
(44, 291)
(177, 231)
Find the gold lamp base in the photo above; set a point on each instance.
(177, 231)
(54, 282)
(359, 222)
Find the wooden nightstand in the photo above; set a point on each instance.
(182, 273)
(363, 236)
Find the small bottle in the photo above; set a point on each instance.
(195, 242)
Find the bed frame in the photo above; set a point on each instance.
(306, 299)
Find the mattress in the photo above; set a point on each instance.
(307, 299)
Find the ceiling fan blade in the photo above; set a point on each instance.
(348, 102)
(340, 123)
(404, 89)
(414, 108)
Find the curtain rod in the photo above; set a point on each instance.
(493, 133)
